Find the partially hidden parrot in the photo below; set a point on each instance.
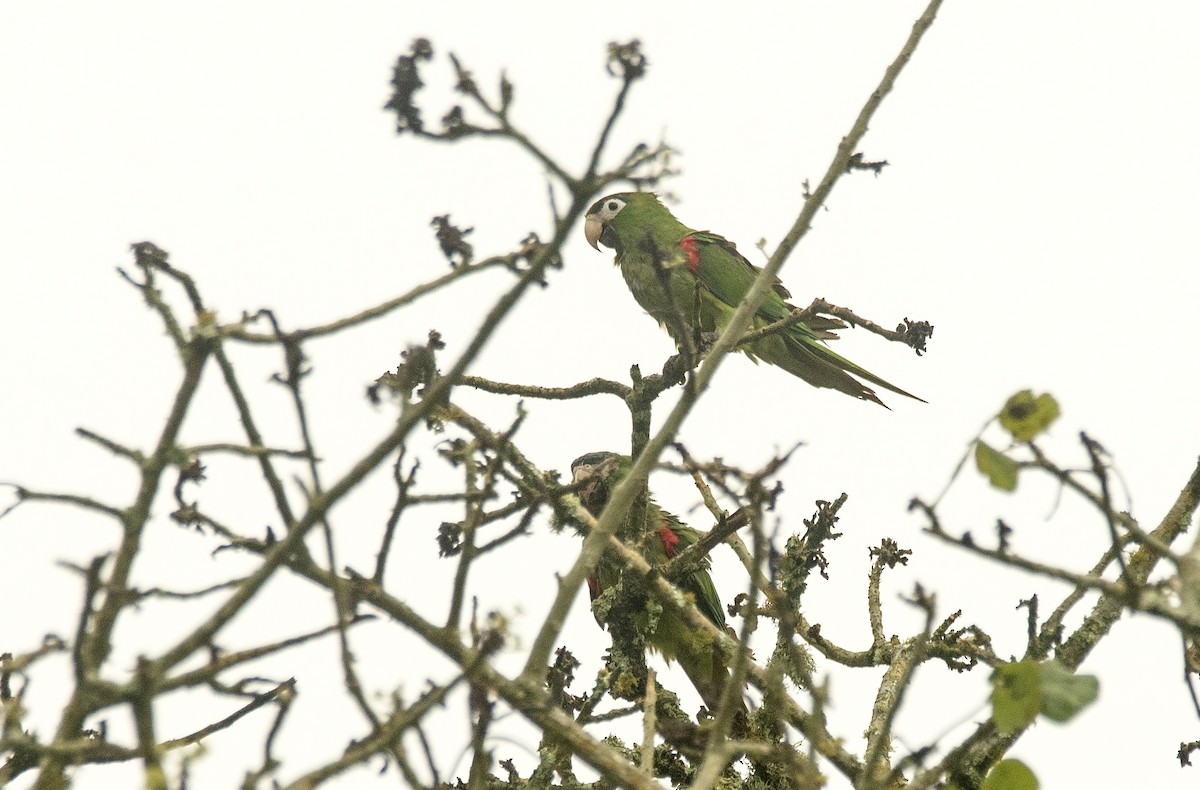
(660, 538)
(707, 278)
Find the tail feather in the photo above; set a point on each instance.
(710, 676)
(820, 366)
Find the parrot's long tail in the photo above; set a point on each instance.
(820, 366)
(710, 676)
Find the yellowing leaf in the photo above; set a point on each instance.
(1010, 775)
(1000, 470)
(1016, 695)
(1026, 416)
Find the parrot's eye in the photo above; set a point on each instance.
(613, 205)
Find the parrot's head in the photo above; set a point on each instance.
(598, 222)
(599, 472)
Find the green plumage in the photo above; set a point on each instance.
(686, 278)
(661, 537)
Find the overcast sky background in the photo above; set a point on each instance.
(1039, 210)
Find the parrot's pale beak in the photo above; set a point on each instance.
(592, 228)
(585, 476)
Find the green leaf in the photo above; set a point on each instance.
(1022, 690)
(1025, 416)
(1001, 471)
(1016, 695)
(1010, 775)
(1064, 693)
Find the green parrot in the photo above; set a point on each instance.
(660, 538)
(707, 275)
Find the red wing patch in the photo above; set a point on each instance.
(669, 540)
(593, 587)
(688, 245)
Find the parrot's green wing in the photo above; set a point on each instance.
(696, 653)
(726, 275)
(727, 272)
(698, 582)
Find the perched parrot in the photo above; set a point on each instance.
(707, 275)
(662, 537)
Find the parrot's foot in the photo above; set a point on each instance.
(707, 341)
(675, 369)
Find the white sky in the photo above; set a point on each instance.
(1038, 210)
